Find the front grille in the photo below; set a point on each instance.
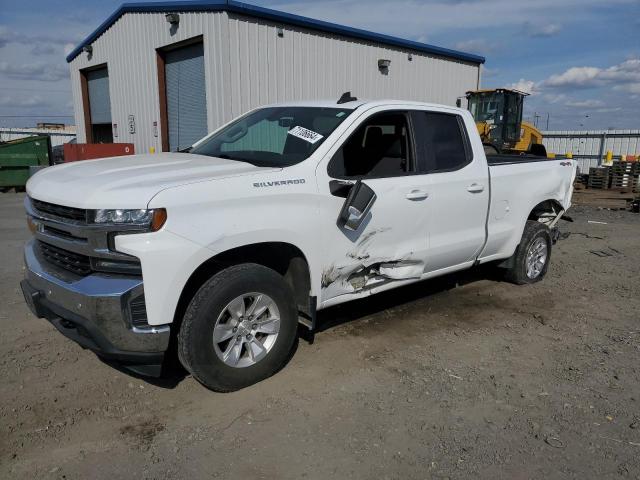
(138, 312)
(74, 262)
(56, 232)
(70, 213)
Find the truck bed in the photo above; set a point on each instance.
(510, 159)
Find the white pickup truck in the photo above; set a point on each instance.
(225, 249)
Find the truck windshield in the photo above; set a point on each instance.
(274, 136)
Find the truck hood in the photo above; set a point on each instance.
(129, 181)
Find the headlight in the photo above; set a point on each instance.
(153, 218)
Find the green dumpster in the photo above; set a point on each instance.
(17, 156)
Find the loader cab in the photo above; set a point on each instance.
(498, 116)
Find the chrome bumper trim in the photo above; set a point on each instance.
(101, 299)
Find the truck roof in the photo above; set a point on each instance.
(359, 103)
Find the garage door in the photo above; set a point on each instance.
(186, 98)
(99, 105)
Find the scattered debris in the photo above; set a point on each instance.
(597, 223)
(554, 442)
(635, 444)
(606, 253)
(566, 235)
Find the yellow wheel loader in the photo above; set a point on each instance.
(498, 115)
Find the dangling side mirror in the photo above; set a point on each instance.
(357, 206)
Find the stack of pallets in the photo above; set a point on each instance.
(624, 175)
(598, 178)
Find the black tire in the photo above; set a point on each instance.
(195, 339)
(517, 272)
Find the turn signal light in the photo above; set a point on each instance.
(159, 219)
(33, 226)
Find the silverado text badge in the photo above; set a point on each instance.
(278, 183)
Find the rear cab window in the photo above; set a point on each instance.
(441, 141)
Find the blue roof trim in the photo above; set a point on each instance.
(268, 14)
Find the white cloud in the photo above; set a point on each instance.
(591, 103)
(608, 109)
(44, 49)
(574, 77)
(413, 18)
(476, 45)
(34, 71)
(625, 76)
(22, 101)
(526, 86)
(5, 36)
(542, 30)
(554, 98)
(9, 36)
(630, 88)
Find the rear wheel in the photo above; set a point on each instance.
(531, 259)
(239, 328)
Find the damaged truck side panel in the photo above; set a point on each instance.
(431, 219)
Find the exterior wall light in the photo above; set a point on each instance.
(383, 66)
(88, 49)
(172, 18)
(280, 32)
(410, 57)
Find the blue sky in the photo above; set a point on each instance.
(580, 59)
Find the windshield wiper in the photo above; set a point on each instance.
(185, 150)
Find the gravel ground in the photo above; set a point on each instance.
(460, 377)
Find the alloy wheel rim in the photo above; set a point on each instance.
(536, 257)
(246, 330)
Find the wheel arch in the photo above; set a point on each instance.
(549, 206)
(285, 258)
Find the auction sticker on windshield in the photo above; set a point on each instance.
(305, 134)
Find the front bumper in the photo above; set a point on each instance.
(94, 311)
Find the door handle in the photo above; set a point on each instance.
(475, 188)
(417, 195)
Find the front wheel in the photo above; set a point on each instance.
(239, 328)
(531, 259)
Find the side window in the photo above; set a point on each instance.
(443, 142)
(380, 147)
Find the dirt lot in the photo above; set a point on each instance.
(462, 377)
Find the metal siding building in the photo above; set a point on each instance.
(590, 147)
(252, 57)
